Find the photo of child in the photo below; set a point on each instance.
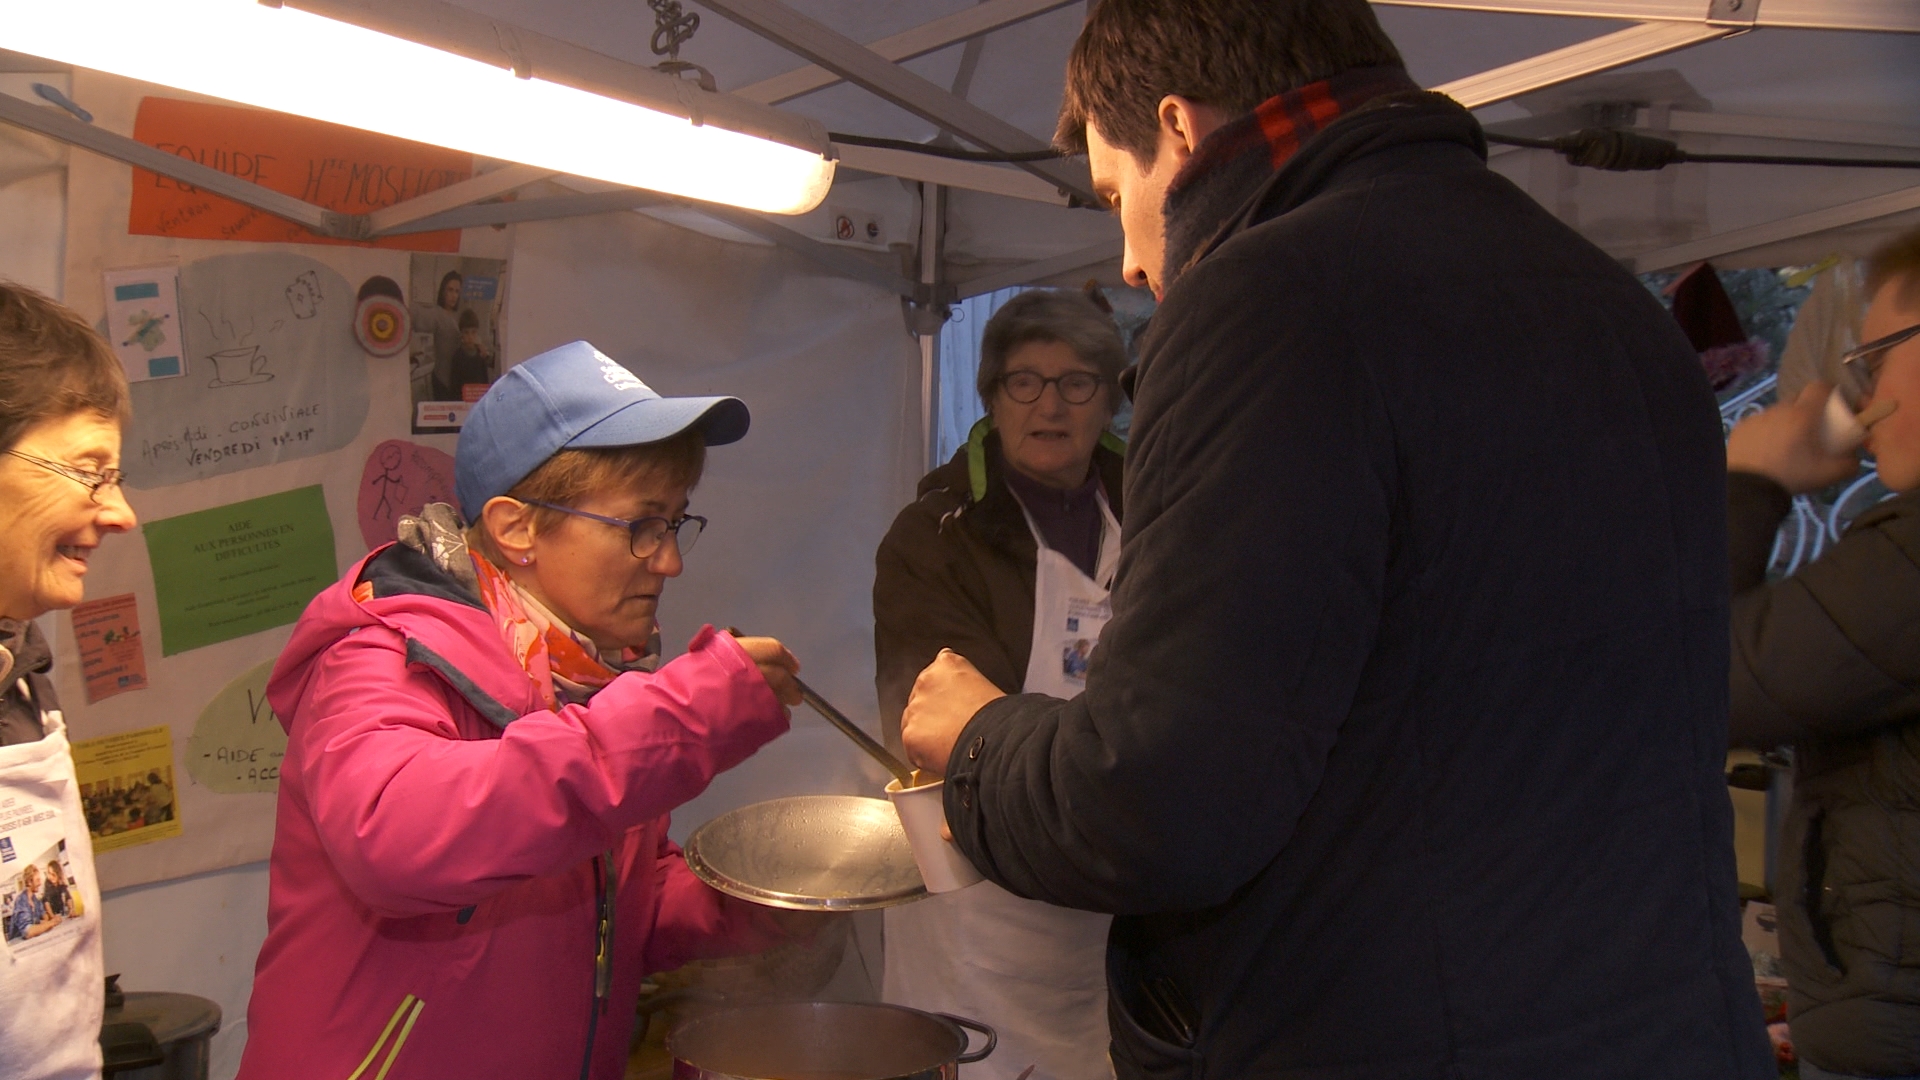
(39, 898)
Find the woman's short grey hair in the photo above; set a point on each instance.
(1049, 315)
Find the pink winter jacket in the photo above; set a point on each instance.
(442, 838)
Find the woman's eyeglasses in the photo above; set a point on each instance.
(1860, 368)
(1076, 387)
(644, 535)
(87, 478)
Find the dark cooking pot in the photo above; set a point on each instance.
(823, 1041)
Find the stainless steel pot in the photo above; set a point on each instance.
(823, 1041)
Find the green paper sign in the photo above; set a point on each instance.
(239, 569)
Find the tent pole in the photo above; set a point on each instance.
(877, 75)
(930, 315)
(1893, 16)
(1753, 236)
(967, 24)
(1604, 53)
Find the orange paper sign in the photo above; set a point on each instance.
(111, 659)
(339, 168)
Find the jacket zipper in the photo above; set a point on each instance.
(605, 885)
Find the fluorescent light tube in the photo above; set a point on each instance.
(296, 62)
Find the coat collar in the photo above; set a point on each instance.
(1272, 160)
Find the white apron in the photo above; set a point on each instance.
(51, 973)
(1034, 972)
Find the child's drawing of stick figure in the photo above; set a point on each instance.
(391, 482)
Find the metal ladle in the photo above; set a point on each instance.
(907, 775)
(903, 772)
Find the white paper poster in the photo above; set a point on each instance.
(143, 321)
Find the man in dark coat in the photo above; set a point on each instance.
(1402, 755)
(1828, 660)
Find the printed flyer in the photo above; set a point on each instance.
(126, 788)
(111, 658)
(40, 902)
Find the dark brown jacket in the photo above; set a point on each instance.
(956, 572)
(1828, 660)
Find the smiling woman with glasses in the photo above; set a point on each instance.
(93, 480)
(63, 403)
(481, 756)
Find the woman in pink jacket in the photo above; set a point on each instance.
(471, 871)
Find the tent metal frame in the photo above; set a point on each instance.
(1660, 26)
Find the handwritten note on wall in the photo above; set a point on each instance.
(274, 372)
(238, 743)
(338, 168)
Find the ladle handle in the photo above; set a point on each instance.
(900, 769)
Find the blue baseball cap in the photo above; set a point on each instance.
(572, 398)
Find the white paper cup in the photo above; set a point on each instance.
(922, 814)
(1840, 429)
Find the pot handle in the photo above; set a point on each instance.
(993, 1038)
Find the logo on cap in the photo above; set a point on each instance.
(618, 377)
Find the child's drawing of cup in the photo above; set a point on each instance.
(239, 367)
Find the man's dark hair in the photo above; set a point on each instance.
(1230, 54)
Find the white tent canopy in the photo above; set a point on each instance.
(1778, 88)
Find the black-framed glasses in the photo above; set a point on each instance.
(86, 478)
(1860, 367)
(1076, 387)
(644, 535)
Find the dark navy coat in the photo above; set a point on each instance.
(1402, 755)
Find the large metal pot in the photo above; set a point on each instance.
(823, 1041)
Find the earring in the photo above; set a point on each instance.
(525, 559)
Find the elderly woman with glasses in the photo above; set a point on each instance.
(1827, 660)
(1006, 558)
(471, 872)
(63, 403)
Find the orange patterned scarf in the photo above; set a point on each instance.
(564, 665)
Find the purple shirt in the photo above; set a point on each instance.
(1069, 521)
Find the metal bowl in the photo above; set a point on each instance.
(810, 853)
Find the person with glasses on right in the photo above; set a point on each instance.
(1006, 558)
(1827, 660)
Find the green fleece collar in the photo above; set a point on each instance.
(977, 454)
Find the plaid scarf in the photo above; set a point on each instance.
(1226, 171)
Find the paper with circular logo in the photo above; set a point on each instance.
(238, 743)
(381, 321)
